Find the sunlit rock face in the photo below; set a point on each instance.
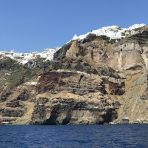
(73, 98)
(97, 78)
(100, 50)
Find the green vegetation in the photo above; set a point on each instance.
(13, 74)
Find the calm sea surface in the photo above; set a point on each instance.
(90, 136)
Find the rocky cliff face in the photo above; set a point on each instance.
(91, 80)
(73, 98)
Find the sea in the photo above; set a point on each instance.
(74, 136)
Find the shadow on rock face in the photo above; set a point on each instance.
(53, 120)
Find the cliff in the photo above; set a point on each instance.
(93, 79)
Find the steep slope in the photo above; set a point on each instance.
(97, 78)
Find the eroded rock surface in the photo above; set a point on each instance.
(73, 98)
(95, 80)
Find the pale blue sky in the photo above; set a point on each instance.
(29, 25)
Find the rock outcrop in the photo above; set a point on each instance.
(72, 98)
(91, 80)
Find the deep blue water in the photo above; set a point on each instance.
(88, 136)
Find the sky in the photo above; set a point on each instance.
(33, 25)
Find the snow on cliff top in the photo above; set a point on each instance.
(113, 32)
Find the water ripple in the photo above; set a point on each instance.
(80, 136)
